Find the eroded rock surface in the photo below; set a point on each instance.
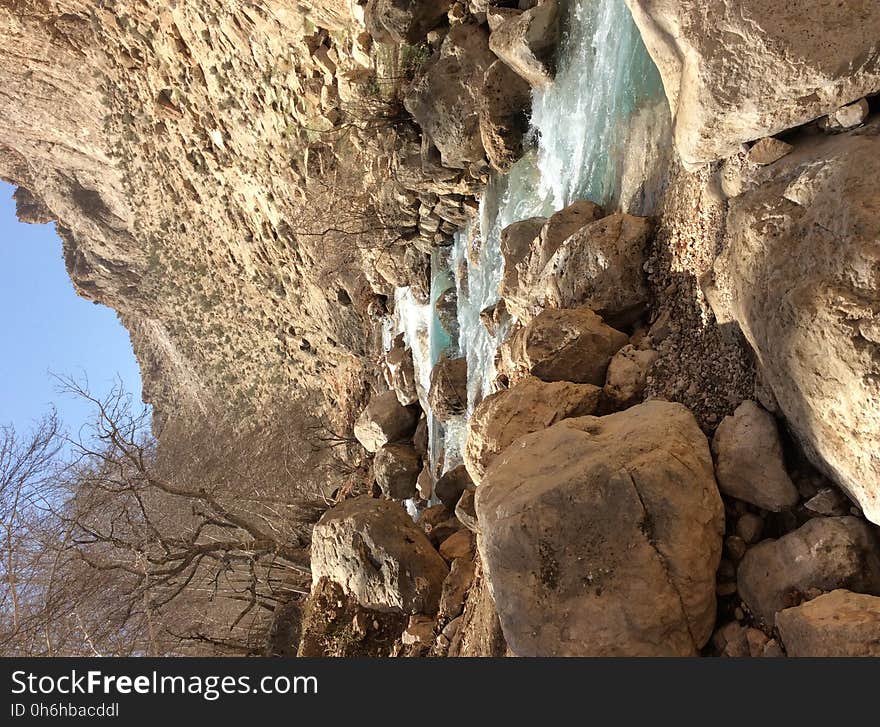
(739, 71)
(798, 273)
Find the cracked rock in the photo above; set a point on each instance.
(601, 536)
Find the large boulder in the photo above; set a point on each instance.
(375, 552)
(448, 395)
(400, 373)
(504, 116)
(840, 623)
(404, 21)
(601, 536)
(445, 98)
(529, 406)
(824, 554)
(748, 459)
(571, 344)
(798, 273)
(599, 266)
(526, 39)
(739, 71)
(385, 420)
(526, 255)
(397, 468)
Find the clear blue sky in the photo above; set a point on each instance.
(45, 327)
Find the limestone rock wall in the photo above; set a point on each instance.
(166, 142)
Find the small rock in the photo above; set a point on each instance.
(723, 590)
(749, 527)
(526, 39)
(455, 587)
(627, 375)
(419, 631)
(768, 150)
(385, 420)
(448, 395)
(848, 117)
(726, 571)
(451, 485)
(732, 640)
(466, 512)
(458, 545)
(420, 438)
(748, 459)
(528, 406)
(828, 501)
(757, 641)
(438, 524)
(735, 547)
(375, 552)
(425, 483)
(572, 344)
(772, 650)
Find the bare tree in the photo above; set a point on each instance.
(190, 544)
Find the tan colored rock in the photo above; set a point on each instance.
(375, 552)
(627, 375)
(526, 40)
(601, 536)
(824, 554)
(420, 437)
(748, 459)
(448, 395)
(768, 150)
(600, 266)
(735, 72)
(565, 345)
(798, 274)
(458, 545)
(397, 468)
(840, 623)
(848, 117)
(404, 21)
(479, 632)
(465, 511)
(529, 406)
(444, 99)
(526, 256)
(516, 241)
(455, 587)
(419, 631)
(425, 483)
(385, 420)
(400, 372)
(505, 107)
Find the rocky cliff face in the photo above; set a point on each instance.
(163, 141)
